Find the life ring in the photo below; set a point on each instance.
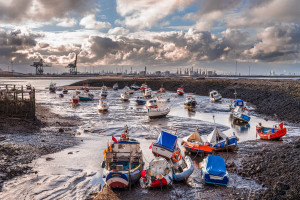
(174, 155)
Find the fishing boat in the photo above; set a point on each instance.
(85, 96)
(190, 102)
(219, 141)
(158, 112)
(134, 87)
(127, 89)
(140, 100)
(194, 144)
(241, 114)
(151, 103)
(103, 94)
(267, 133)
(61, 95)
(180, 91)
(158, 174)
(215, 96)
(75, 100)
(102, 105)
(148, 93)
(65, 91)
(165, 145)
(235, 103)
(52, 87)
(85, 88)
(161, 90)
(125, 96)
(213, 170)
(182, 167)
(59, 89)
(123, 162)
(144, 86)
(116, 86)
(28, 86)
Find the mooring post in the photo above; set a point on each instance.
(22, 92)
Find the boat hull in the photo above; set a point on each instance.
(241, 118)
(152, 114)
(216, 180)
(276, 135)
(197, 148)
(85, 98)
(186, 172)
(121, 179)
(222, 146)
(163, 152)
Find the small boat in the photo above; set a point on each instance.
(85, 88)
(235, 103)
(241, 114)
(161, 90)
(180, 91)
(158, 112)
(190, 102)
(28, 86)
(125, 96)
(65, 91)
(213, 170)
(165, 145)
(158, 174)
(59, 89)
(144, 86)
(102, 105)
(104, 88)
(148, 93)
(61, 95)
(123, 162)
(219, 141)
(75, 99)
(194, 143)
(52, 88)
(116, 86)
(134, 87)
(182, 167)
(274, 133)
(140, 100)
(152, 103)
(215, 96)
(86, 96)
(127, 89)
(103, 94)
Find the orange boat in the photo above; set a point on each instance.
(266, 133)
(195, 144)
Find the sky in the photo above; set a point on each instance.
(261, 35)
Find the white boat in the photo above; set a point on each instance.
(125, 96)
(190, 102)
(28, 86)
(103, 94)
(140, 100)
(215, 96)
(180, 91)
(152, 103)
(135, 87)
(182, 168)
(158, 112)
(165, 145)
(148, 92)
(158, 174)
(116, 86)
(241, 114)
(102, 105)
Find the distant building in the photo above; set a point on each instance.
(142, 73)
(157, 73)
(167, 73)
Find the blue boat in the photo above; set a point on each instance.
(61, 95)
(235, 103)
(52, 87)
(241, 114)
(103, 94)
(165, 145)
(59, 89)
(140, 100)
(86, 97)
(134, 87)
(213, 170)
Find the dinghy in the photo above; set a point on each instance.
(180, 91)
(102, 106)
(194, 143)
(182, 168)
(215, 96)
(28, 86)
(140, 100)
(125, 96)
(274, 133)
(213, 170)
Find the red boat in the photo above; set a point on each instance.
(144, 87)
(180, 91)
(85, 88)
(271, 133)
(75, 99)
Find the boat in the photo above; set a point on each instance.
(61, 95)
(103, 94)
(267, 133)
(213, 170)
(148, 93)
(28, 86)
(85, 96)
(102, 105)
(75, 100)
(182, 167)
(161, 90)
(116, 86)
(140, 100)
(151, 103)
(194, 144)
(235, 103)
(65, 91)
(125, 96)
(144, 86)
(165, 145)
(127, 89)
(59, 89)
(219, 141)
(158, 112)
(158, 174)
(180, 91)
(85, 88)
(52, 87)
(190, 102)
(215, 96)
(134, 87)
(123, 162)
(241, 114)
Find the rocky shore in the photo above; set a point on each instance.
(22, 141)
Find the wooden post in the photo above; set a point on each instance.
(22, 92)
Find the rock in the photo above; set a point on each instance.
(70, 152)
(61, 130)
(49, 158)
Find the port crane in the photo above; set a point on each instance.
(39, 67)
(73, 67)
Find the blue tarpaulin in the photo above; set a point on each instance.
(239, 102)
(167, 140)
(216, 165)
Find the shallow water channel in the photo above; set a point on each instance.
(75, 172)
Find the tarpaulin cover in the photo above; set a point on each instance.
(216, 165)
(167, 140)
(239, 102)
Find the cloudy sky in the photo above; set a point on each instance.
(160, 34)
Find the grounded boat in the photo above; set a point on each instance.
(194, 143)
(65, 91)
(85, 88)
(148, 93)
(116, 86)
(144, 86)
(125, 96)
(61, 95)
(180, 91)
(215, 96)
(165, 145)
(158, 112)
(140, 100)
(182, 167)
(219, 141)
(75, 100)
(28, 86)
(134, 87)
(86, 96)
(59, 89)
(241, 114)
(190, 102)
(103, 94)
(152, 103)
(274, 133)
(123, 162)
(161, 90)
(213, 170)
(52, 88)
(235, 103)
(102, 105)
(158, 174)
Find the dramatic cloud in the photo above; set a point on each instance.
(90, 22)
